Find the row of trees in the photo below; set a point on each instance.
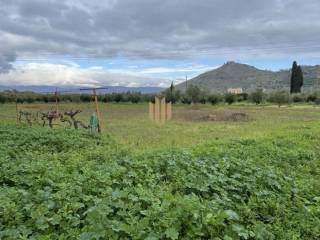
(31, 97)
(193, 95)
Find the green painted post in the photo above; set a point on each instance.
(93, 123)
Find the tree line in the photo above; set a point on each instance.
(193, 95)
(32, 97)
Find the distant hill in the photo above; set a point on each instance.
(237, 75)
(111, 89)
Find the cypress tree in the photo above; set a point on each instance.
(171, 87)
(293, 77)
(296, 81)
(299, 78)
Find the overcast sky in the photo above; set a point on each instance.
(150, 42)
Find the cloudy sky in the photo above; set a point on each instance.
(150, 42)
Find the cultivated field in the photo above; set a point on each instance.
(129, 123)
(222, 172)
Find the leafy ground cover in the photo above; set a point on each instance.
(63, 184)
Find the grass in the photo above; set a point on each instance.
(187, 179)
(129, 123)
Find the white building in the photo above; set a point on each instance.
(235, 90)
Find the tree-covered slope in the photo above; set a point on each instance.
(236, 75)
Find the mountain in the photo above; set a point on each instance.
(110, 89)
(237, 75)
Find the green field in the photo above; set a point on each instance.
(128, 124)
(192, 178)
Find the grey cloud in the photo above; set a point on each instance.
(161, 29)
(6, 60)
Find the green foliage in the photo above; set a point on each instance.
(242, 97)
(312, 96)
(296, 81)
(134, 97)
(279, 98)
(2, 98)
(230, 98)
(193, 93)
(215, 99)
(172, 95)
(71, 185)
(257, 96)
(298, 98)
(31, 97)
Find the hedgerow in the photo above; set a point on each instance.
(58, 184)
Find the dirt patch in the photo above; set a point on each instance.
(210, 116)
(233, 117)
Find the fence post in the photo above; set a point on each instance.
(151, 111)
(160, 111)
(169, 111)
(157, 110)
(163, 110)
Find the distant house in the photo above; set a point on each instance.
(235, 90)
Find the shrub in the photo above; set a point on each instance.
(185, 99)
(203, 99)
(2, 99)
(257, 96)
(242, 97)
(312, 97)
(230, 98)
(297, 98)
(317, 101)
(84, 98)
(214, 99)
(193, 92)
(135, 97)
(280, 97)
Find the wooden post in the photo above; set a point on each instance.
(163, 110)
(98, 113)
(160, 111)
(56, 96)
(169, 111)
(17, 110)
(97, 110)
(157, 110)
(151, 111)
